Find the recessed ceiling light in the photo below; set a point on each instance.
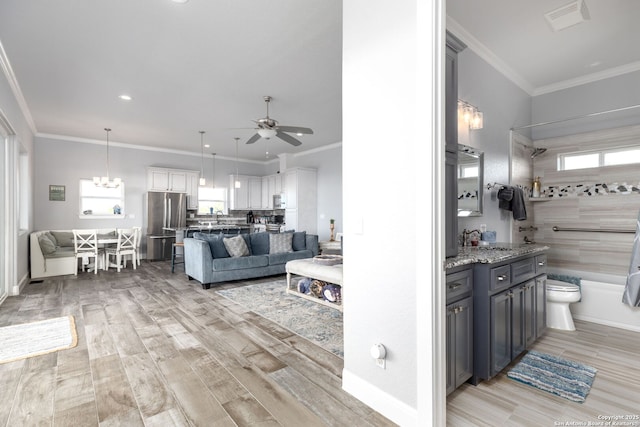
(180, 1)
(207, 145)
(125, 97)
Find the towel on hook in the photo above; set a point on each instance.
(505, 196)
(512, 199)
(631, 295)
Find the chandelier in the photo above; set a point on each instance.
(105, 181)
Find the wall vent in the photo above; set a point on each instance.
(568, 15)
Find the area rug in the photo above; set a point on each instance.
(562, 377)
(37, 338)
(315, 322)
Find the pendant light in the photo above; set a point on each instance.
(237, 182)
(213, 173)
(105, 181)
(203, 181)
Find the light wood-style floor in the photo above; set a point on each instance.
(614, 352)
(155, 349)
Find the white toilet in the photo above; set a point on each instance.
(559, 296)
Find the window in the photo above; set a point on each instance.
(211, 200)
(100, 201)
(613, 157)
(468, 171)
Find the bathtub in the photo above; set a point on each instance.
(602, 300)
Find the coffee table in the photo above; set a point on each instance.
(308, 268)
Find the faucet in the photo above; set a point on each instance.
(218, 212)
(465, 234)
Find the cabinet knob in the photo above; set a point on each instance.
(502, 277)
(541, 263)
(453, 286)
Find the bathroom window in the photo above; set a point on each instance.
(613, 157)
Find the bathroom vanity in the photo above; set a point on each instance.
(496, 308)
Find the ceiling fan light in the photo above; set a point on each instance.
(267, 133)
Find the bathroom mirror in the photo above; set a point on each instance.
(470, 180)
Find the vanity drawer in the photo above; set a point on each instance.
(459, 285)
(541, 264)
(500, 277)
(523, 270)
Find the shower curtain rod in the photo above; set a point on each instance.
(576, 117)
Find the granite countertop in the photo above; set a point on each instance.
(495, 252)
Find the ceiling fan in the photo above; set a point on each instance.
(268, 128)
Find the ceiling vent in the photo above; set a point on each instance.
(568, 15)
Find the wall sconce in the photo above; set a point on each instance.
(470, 115)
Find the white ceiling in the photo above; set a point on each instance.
(203, 65)
(206, 65)
(516, 38)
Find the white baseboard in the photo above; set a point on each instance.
(20, 286)
(380, 401)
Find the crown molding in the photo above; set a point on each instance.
(173, 151)
(15, 88)
(485, 53)
(589, 78)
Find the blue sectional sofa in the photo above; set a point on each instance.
(214, 258)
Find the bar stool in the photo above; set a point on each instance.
(175, 257)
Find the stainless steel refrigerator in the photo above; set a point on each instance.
(166, 214)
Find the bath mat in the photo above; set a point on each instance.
(317, 323)
(562, 377)
(37, 338)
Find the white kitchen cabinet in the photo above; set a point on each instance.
(267, 200)
(302, 199)
(238, 197)
(255, 192)
(193, 183)
(164, 179)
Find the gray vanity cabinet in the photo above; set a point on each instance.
(509, 311)
(451, 144)
(459, 312)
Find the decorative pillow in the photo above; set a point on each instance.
(259, 243)
(46, 245)
(64, 238)
(299, 241)
(280, 243)
(50, 236)
(218, 250)
(236, 246)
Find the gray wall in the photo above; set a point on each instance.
(603, 95)
(504, 105)
(64, 162)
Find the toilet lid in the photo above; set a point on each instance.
(564, 287)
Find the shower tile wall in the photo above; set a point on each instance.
(598, 252)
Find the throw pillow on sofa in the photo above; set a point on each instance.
(236, 246)
(280, 243)
(299, 242)
(218, 250)
(46, 245)
(64, 239)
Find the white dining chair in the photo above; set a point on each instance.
(138, 231)
(126, 246)
(85, 244)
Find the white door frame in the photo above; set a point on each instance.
(8, 215)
